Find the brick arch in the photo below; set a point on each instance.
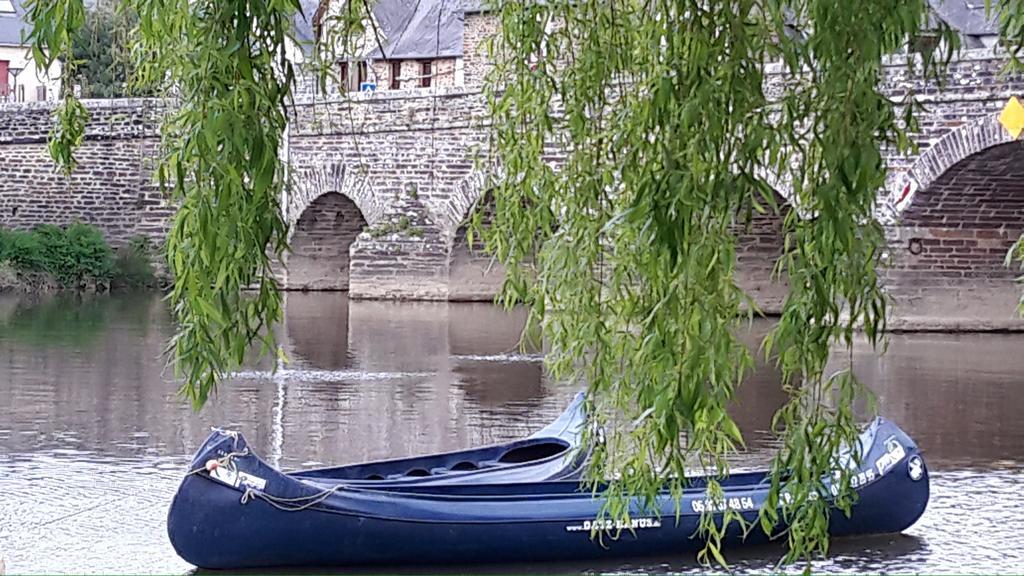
(954, 147)
(321, 244)
(311, 181)
(466, 193)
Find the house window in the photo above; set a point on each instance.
(396, 73)
(425, 73)
(6, 7)
(41, 93)
(343, 76)
(361, 72)
(21, 93)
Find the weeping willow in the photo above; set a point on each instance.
(678, 119)
(675, 121)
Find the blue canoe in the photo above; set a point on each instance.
(265, 518)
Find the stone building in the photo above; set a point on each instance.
(406, 45)
(21, 79)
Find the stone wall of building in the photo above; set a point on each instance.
(478, 27)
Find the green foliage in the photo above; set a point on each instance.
(22, 250)
(133, 265)
(627, 253)
(77, 256)
(1010, 16)
(102, 49)
(227, 62)
(402, 225)
(54, 25)
(72, 255)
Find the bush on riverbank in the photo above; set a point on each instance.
(133, 266)
(77, 257)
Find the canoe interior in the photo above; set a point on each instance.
(515, 453)
(740, 480)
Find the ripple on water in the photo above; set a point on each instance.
(303, 375)
(81, 512)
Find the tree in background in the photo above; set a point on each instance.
(626, 255)
(102, 50)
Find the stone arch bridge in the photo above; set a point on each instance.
(383, 183)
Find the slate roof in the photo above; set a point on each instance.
(11, 25)
(965, 16)
(304, 24)
(433, 28)
(410, 29)
(419, 28)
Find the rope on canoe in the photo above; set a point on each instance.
(284, 504)
(289, 504)
(225, 460)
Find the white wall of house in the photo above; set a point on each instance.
(27, 86)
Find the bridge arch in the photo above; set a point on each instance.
(957, 212)
(472, 273)
(311, 181)
(954, 147)
(464, 197)
(327, 208)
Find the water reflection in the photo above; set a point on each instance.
(93, 437)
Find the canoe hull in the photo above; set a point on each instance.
(289, 523)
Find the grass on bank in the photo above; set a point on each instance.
(75, 257)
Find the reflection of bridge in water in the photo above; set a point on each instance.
(375, 379)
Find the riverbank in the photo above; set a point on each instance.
(75, 258)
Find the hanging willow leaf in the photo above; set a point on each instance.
(626, 253)
(671, 140)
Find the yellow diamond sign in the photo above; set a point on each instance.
(1012, 117)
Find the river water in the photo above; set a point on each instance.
(94, 440)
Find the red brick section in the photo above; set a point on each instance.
(965, 222)
(320, 244)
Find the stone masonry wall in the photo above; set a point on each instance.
(953, 209)
(112, 187)
(323, 236)
(410, 163)
(478, 27)
(409, 151)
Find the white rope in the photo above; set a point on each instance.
(284, 504)
(289, 504)
(225, 460)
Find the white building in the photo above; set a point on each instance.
(20, 79)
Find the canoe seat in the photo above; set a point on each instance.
(531, 453)
(464, 466)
